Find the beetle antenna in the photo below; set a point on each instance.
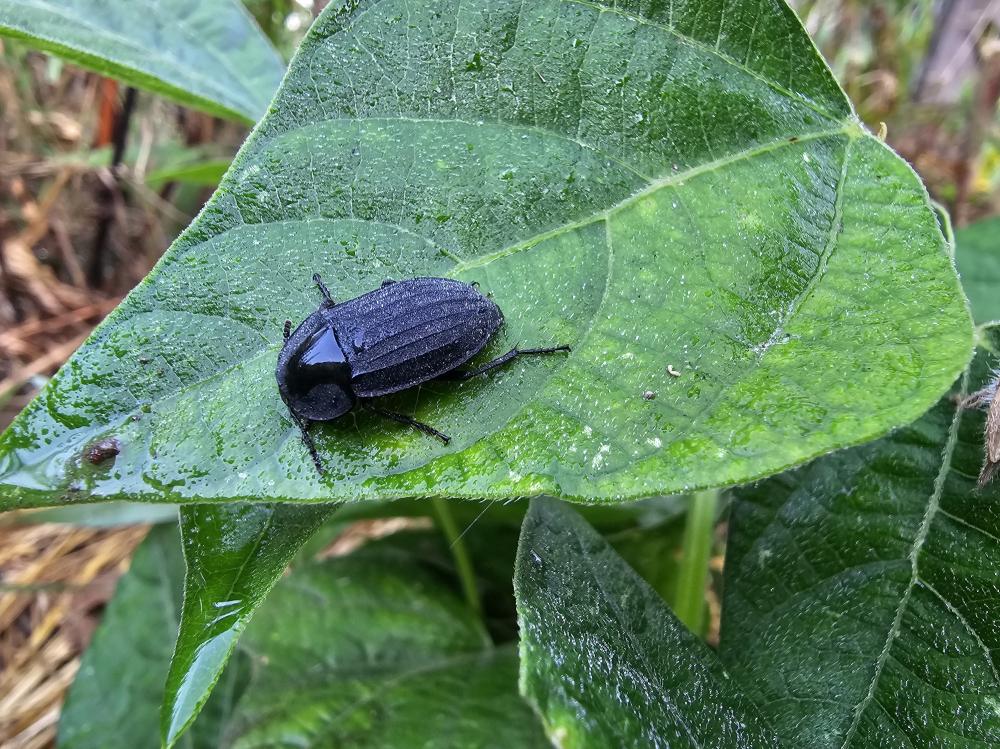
(474, 521)
(323, 290)
(287, 330)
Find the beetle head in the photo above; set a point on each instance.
(314, 376)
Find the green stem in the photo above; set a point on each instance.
(689, 600)
(459, 552)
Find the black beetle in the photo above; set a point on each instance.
(400, 335)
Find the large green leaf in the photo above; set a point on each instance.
(375, 649)
(234, 554)
(861, 601)
(669, 189)
(114, 702)
(372, 651)
(977, 254)
(208, 54)
(602, 658)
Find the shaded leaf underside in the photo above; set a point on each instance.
(678, 187)
(381, 654)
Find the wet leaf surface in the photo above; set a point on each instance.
(604, 660)
(235, 553)
(861, 595)
(207, 54)
(682, 194)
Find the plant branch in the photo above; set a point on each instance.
(459, 552)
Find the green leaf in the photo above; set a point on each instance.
(371, 650)
(602, 658)
(678, 189)
(115, 698)
(206, 173)
(861, 599)
(977, 254)
(207, 54)
(234, 554)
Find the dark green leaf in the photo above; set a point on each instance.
(602, 658)
(115, 698)
(669, 189)
(653, 550)
(861, 602)
(372, 651)
(235, 554)
(208, 54)
(977, 254)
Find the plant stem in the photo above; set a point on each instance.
(689, 599)
(106, 192)
(459, 552)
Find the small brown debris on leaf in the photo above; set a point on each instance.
(101, 451)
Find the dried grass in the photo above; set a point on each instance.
(54, 582)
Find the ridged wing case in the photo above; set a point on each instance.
(412, 331)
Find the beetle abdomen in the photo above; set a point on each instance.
(412, 331)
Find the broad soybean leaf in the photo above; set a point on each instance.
(977, 254)
(207, 54)
(604, 660)
(668, 188)
(234, 553)
(114, 702)
(861, 597)
(372, 650)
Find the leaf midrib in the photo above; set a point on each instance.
(671, 180)
(919, 538)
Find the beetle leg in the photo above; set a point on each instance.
(388, 282)
(287, 330)
(303, 425)
(323, 290)
(404, 419)
(465, 374)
